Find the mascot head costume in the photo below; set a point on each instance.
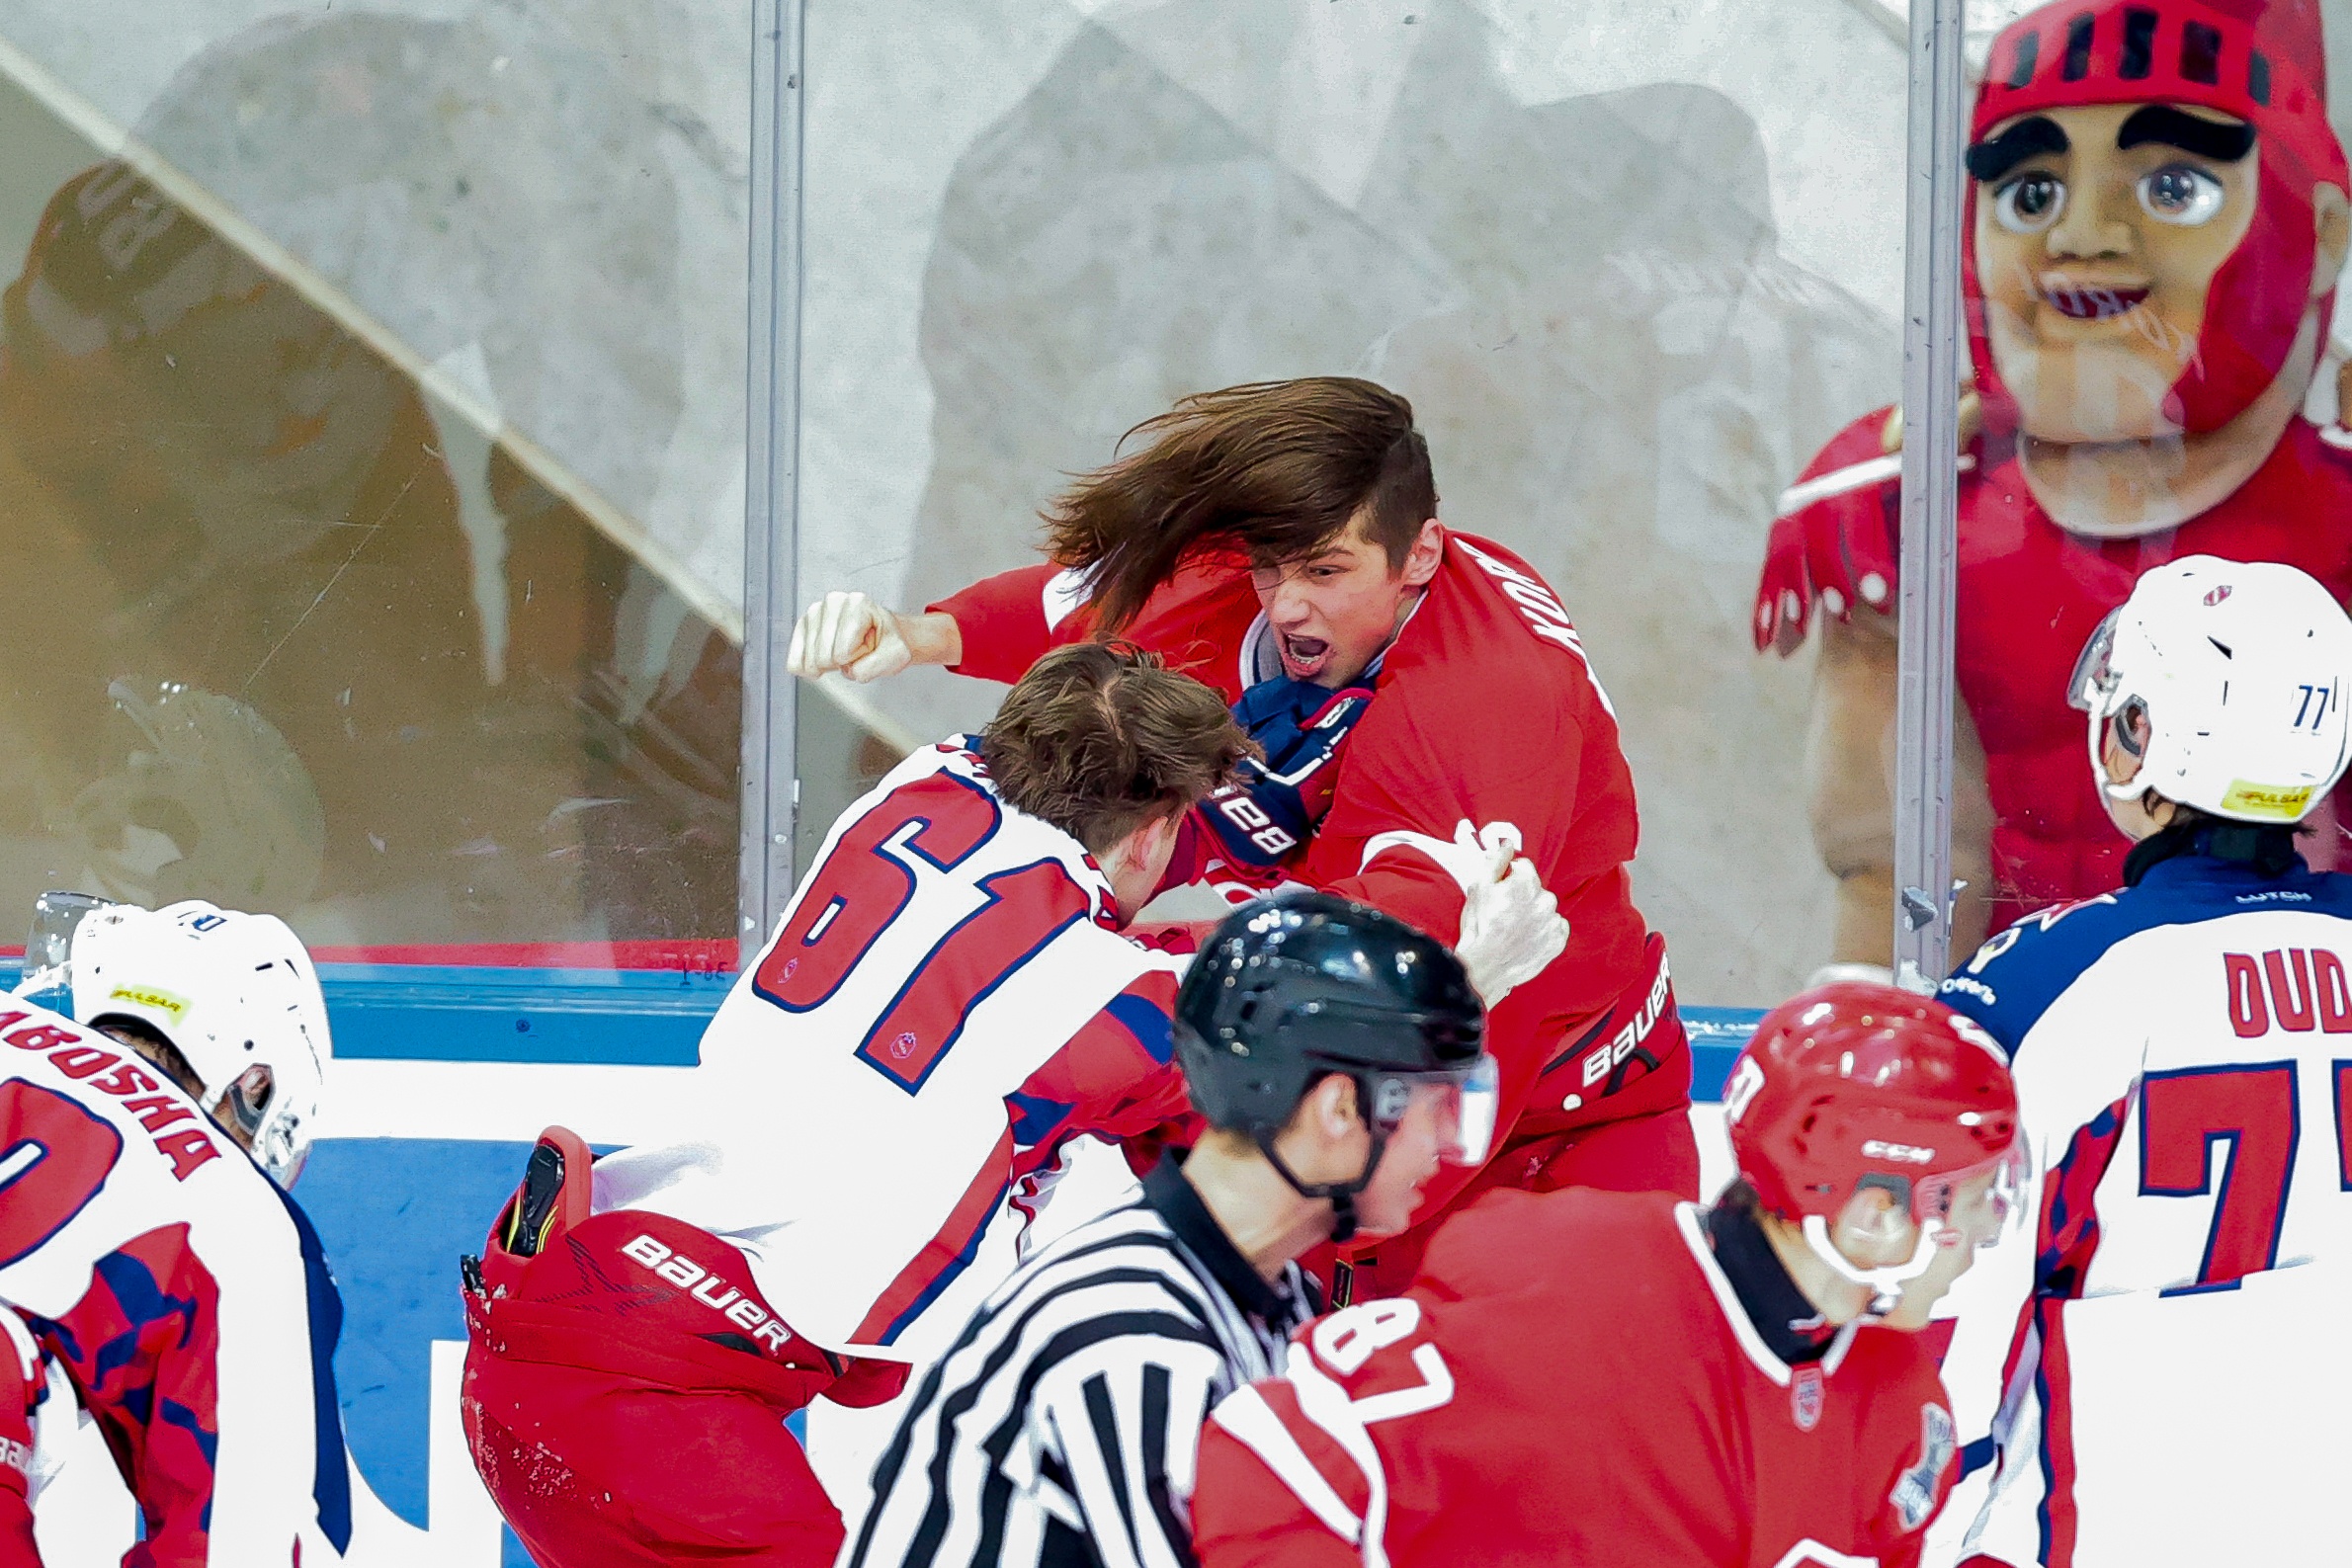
(2142, 238)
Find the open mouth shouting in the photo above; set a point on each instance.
(2088, 302)
(1303, 658)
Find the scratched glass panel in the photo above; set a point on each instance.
(370, 447)
(1632, 265)
(2154, 231)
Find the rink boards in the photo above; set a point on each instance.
(441, 1078)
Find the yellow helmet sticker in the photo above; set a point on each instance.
(2285, 804)
(148, 996)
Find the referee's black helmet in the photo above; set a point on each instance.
(1290, 989)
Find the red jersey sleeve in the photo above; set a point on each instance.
(20, 1392)
(1835, 534)
(142, 1348)
(1442, 758)
(1116, 1078)
(1247, 1509)
(1195, 621)
(1005, 621)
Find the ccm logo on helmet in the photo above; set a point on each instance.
(1879, 1148)
(694, 1280)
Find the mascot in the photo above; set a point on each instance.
(2156, 216)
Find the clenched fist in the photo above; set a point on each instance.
(850, 632)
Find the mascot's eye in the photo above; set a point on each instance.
(2030, 204)
(2178, 194)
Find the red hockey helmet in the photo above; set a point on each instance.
(1854, 1086)
(2262, 62)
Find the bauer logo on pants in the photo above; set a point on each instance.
(704, 1287)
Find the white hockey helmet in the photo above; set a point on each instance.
(230, 992)
(2230, 680)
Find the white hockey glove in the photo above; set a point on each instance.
(1511, 924)
(848, 632)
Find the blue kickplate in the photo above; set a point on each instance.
(395, 1213)
(1716, 1035)
(634, 1018)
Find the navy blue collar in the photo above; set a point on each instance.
(2224, 852)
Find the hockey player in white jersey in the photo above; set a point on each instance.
(177, 1288)
(2162, 1378)
(948, 1002)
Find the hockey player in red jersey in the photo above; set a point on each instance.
(947, 1004)
(180, 1292)
(2157, 222)
(1422, 698)
(1603, 1377)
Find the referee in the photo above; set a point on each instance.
(1335, 1055)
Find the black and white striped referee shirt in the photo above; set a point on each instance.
(1063, 1427)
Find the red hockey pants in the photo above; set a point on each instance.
(625, 1397)
(1646, 1148)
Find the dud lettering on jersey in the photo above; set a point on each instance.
(2296, 989)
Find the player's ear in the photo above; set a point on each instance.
(1332, 1105)
(1875, 1231)
(1429, 548)
(1161, 832)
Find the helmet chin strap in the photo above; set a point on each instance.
(1342, 1194)
(1887, 1282)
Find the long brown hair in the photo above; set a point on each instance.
(1098, 739)
(1273, 471)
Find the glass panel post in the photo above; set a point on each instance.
(772, 488)
(1932, 370)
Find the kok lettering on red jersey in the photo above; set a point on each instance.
(1427, 754)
